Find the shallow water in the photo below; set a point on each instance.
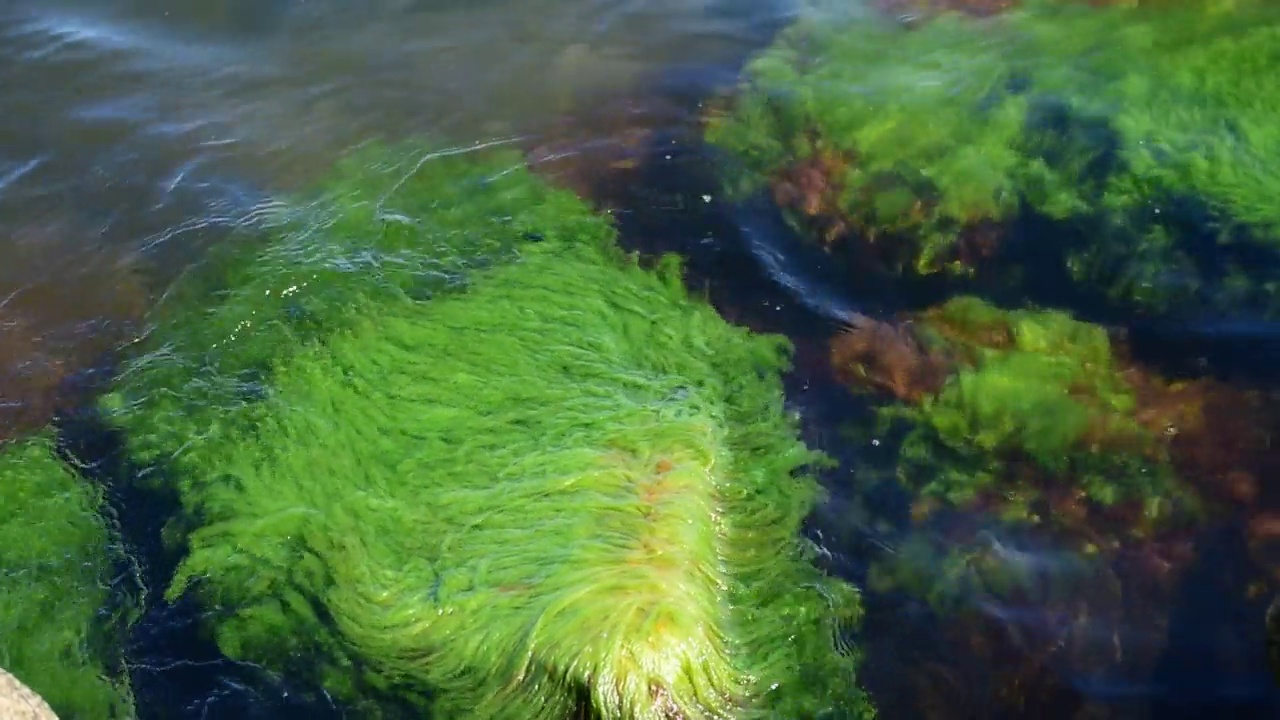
(135, 133)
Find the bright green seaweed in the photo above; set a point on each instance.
(1147, 133)
(500, 470)
(56, 557)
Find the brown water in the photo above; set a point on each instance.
(133, 132)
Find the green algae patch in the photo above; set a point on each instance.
(1028, 428)
(1143, 134)
(1057, 486)
(58, 620)
(867, 131)
(552, 481)
(383, 228)
(1035, 420)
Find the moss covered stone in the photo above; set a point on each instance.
(489, 463)
(57, 615)
(1145, 131)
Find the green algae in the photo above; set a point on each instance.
(1036, 406)
(1145, 133)
(897, 109)
(550, 477)
(1037, 437)
(58, 618)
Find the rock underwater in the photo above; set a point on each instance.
(436, 438)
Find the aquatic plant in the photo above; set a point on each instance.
(490, 464)
(1036, 420)
(865, 132)
(1053, 483)
(1143, 132)
(58, 617)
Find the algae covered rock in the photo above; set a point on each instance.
(58, 617)
(1033, 418)
(1141, 132)
(1054, 485)
(439, 438)
(1017, 427)
(1058, 486)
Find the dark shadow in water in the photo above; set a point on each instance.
(177, 672)
(1215, 665)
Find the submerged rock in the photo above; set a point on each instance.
(19, 702)
(437, 438)
(1035, 420)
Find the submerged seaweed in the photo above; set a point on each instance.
(1057, 484)
(1143, 134)
(59, 619)
(492, 465)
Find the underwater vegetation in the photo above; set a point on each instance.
(1139, 135)
(436, 438)
(59, 614)
(1008, 397)
(1056, 483)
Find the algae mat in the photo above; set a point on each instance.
(59, 613)
(548, 481)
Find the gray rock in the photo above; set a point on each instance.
(19, 702)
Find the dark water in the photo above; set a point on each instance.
(135, 133)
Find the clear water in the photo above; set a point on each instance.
(135, 133)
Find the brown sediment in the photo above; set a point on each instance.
(66, 302)
(1218, 435)
(812, 189)
(599, 153)
(927, 8)
(888, 357)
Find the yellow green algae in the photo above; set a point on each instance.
(1145, 135)
(439, 438)
(60, 617)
